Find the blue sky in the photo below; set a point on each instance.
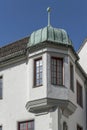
(19, 18)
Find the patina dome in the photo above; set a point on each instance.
(49, 33)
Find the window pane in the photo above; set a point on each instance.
(40, 68)
(37, 69)
(37, 63)
(40, 62)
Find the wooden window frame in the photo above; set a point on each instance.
(28, 121)
(56, 74)
(35, 78)
(79, 94)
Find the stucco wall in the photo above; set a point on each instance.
(12, 106)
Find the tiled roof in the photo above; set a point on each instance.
(14, 47)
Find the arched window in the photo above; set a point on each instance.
(65, 127)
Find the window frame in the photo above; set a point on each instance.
(35, 84)
(61, 59)
(79, 94)
(65, 127)
(27, 121)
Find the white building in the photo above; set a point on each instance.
(42, 85)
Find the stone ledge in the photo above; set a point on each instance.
(46, 104)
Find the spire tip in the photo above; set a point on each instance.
(48, 10)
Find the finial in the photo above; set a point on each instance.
(48, 10)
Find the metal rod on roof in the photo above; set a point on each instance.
(48, 10)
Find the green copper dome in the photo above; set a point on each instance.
(49, 34)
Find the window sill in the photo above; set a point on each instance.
(55, 85)
(80, 106)
(37, 86)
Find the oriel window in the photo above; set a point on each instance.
(38, 71)
(56, 71)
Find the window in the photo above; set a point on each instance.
(56, 71)
(79, 94)
(71, 77)
(79, 127)
(27, 125)
(0, 127)
(38, 72)
(1, 85)
(65, 127)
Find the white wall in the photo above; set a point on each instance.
(12, 106)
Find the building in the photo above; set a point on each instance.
(82, 54)
(42, 84)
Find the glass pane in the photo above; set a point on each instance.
(37, 82)
(37, 76)
(40, 82)
(37, 69)
(54, 80)
(54, 62)
(40, 75)
(37, 63)
(40, 62)
(29, 125)
(40, 68)
(23, 126)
